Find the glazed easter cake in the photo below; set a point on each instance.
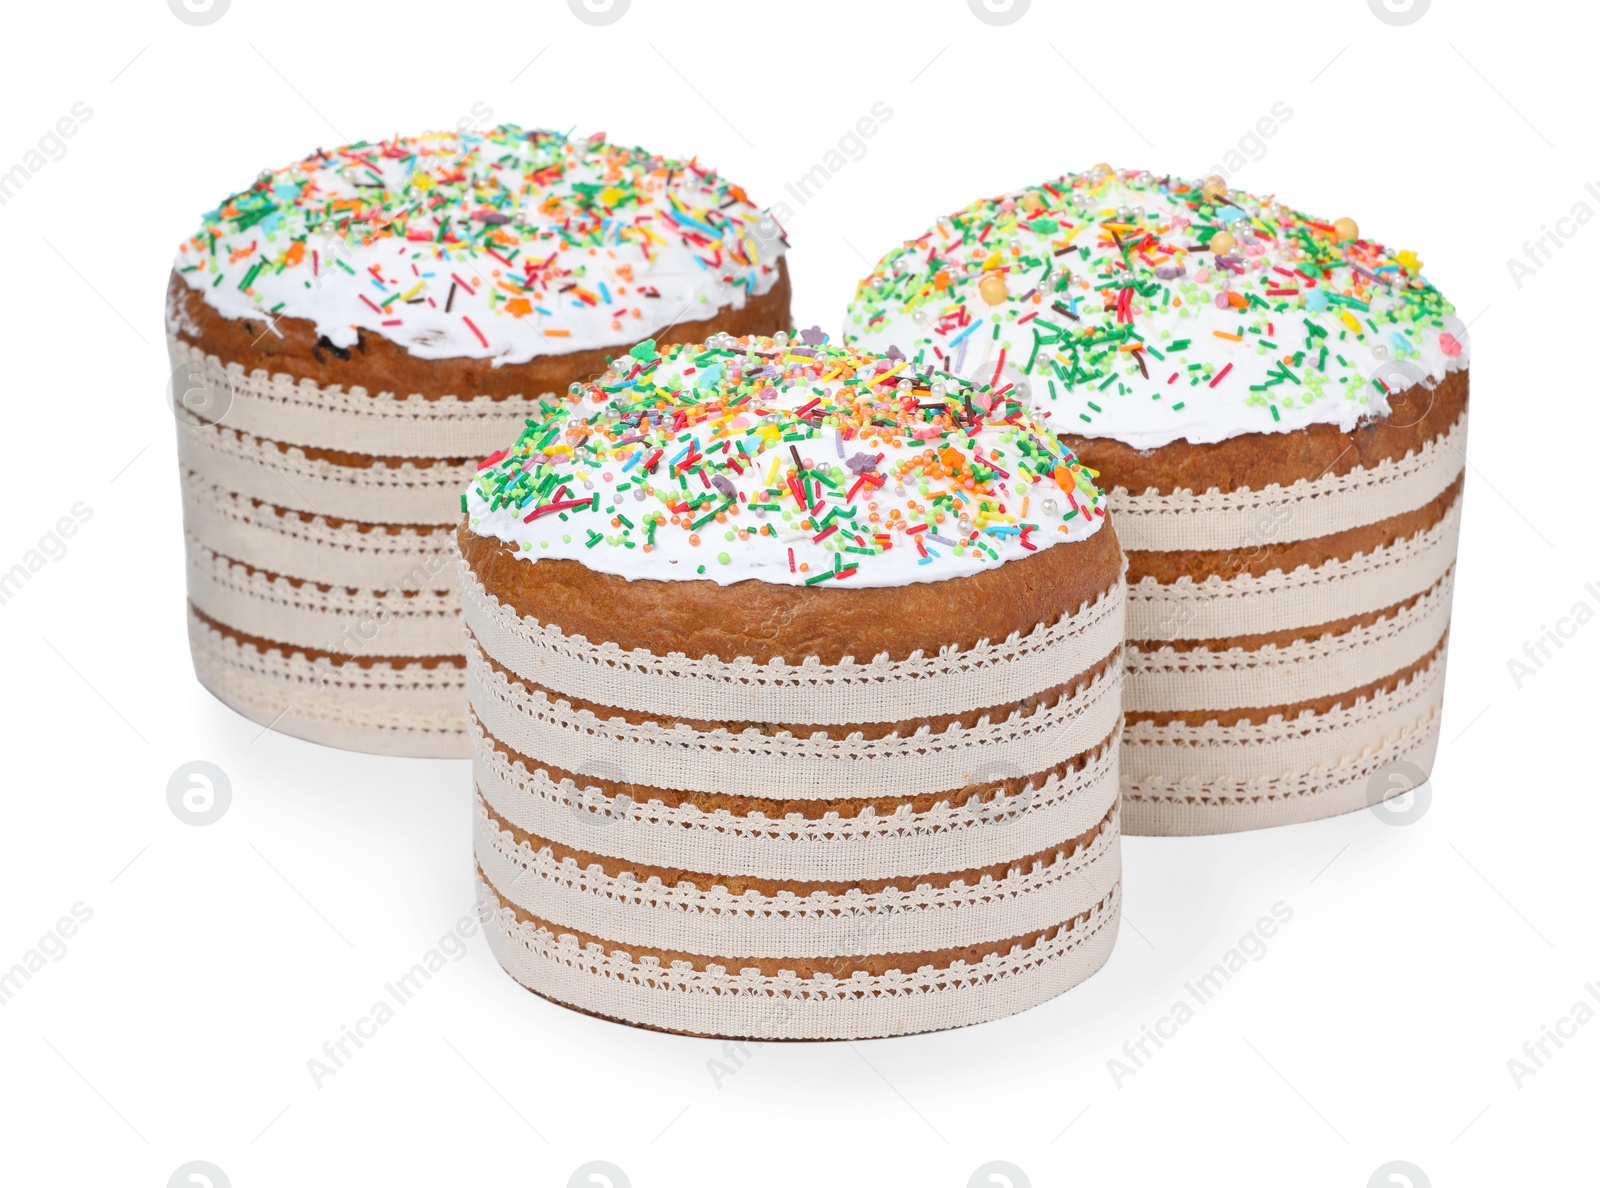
(794, 686)
(1277, 406)
(352, 333)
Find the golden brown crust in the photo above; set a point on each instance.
(803, 967)
(292, 346)
(776, 808)
(1255, 460)
(764, 620)
(741, 884)
(272, 646)
(1287, 556)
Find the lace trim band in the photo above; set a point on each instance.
(1163, 679)
(952, 835)
(1265, 750)
(912, 919)
(746, 1004)
(1203, 779)
(337, 619)
(279, 541)
(1219, 608)
(382, 424)
(712, 689)
(752, 763)
(382, 709)
(1176, 809)
(1308, 509)
(257, 468)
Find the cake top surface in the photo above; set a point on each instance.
(1149, 309)
(505, 245)
(792, 462)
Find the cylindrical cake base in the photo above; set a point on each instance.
(746, 1005)
(320, 502)
(782, 845)
(1288, 615)
(401, 708)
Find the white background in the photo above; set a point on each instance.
(218, 960)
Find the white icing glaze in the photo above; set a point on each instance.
(726, 422)
(504, 246)
(1066, 249)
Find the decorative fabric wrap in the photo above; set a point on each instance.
(386, 707)
(344, 574)
(1153, 522)
(383, 424)
(607, 887)
(1385, 679)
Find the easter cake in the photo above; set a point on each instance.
(794, 686)
(352, 333)
(1277, 407)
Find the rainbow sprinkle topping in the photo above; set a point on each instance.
(506, 245)
(1148, 308)
(786, 460)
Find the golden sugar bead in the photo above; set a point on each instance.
(1214, 187)
(1222, 242)
(1031, 201)
(1102, 168)
(992, 288)
(1345, 229)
